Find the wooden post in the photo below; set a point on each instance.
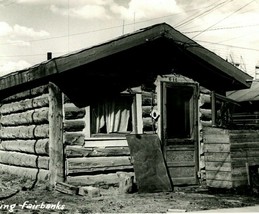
(56, 149)
(213, 109)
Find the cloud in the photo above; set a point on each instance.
(29, 32)
(146, 8)
(19, 43)
(91, 10)
(17, 33)
(5, 29)
(11, 66)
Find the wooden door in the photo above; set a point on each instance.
(180, 131)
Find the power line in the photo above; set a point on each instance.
(102, 29)
(224, 18)
(231, 46)
(222, 28)
(190, 19)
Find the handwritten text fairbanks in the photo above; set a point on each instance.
(32, 206)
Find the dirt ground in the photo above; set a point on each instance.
(22, 196)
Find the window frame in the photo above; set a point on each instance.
(137, 123)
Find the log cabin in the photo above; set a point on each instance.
(65, 119)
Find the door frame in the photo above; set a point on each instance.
(160, 101)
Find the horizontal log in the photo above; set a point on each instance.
(244, 152)
(92, 163)
(27, 94)
(206, 114)
(206, 123)
(40, 147)
(239, 183)
(74, 125)
(249, 136)
(74, 138)
(146, 110)
(149, 124)
(36, 116)
(243, 160)
(147, 100)
(30, 173)
(216, 147)
(73, 112)
(25, 132)
(24, 105)
(79, 151)
(110, 179)
(25, 160)
(205, 99)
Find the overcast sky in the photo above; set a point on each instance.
(31, 28)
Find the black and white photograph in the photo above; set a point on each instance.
(129, 106)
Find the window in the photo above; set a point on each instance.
(180, 109)
(112, 116)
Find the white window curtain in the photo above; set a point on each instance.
(112, 115)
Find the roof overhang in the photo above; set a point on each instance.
(128, 61)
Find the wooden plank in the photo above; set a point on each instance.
(217, 156)
(216, 147)
(215, 138)
(74, 125)
(110, 179)
(73, 112)
(56, 150)
(182, 171)
(99, 170)
(213, 108)
(218, 166)
(25, 132)
(218, 175)
(23, 159)
(24, 105)
(79, 151)
(107, 142)
(36, 116)
(88, 164)
(219, 184)
(66, 188)
(74, 138)
(149, 164)
(40, 146)
(31, 173)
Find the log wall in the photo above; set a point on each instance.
(24, 131)
(227, 155)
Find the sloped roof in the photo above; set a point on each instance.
(126, 61)
(250, 94)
